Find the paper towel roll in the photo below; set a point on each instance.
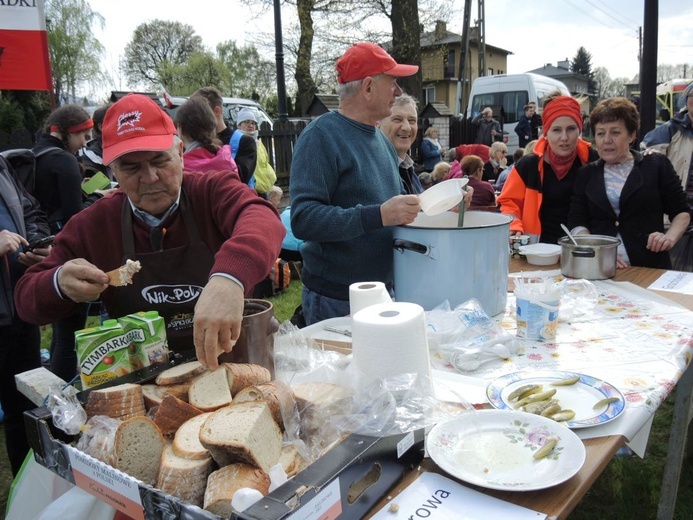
(365, 294)
(390, 339)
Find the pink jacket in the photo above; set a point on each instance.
(202, 160)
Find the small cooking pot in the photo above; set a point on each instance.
(594, 258)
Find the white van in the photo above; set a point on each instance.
(512, 92)
(230, 108)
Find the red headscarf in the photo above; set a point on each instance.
(558, 107)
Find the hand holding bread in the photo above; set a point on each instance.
(81, 281)
(218, 317)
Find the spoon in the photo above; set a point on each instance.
(569, 235)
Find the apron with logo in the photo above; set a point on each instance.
(170, 280)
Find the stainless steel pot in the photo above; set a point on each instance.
(594, 258)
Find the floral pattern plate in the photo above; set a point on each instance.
(494, 449)
(580, 397)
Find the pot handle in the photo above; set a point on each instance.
(583, 252)
(400, 245)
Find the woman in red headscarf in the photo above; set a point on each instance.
(539, 187)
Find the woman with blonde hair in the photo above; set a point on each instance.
(440, 171)
(539, 187)
(497, 161)
(430, 150)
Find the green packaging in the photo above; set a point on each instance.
(102, 353)
(147, 331)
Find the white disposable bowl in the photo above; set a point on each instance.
(442, 196)
(541, 254)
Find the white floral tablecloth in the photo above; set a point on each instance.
(632, 338)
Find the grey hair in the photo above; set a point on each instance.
(347, 90)
(406, 99)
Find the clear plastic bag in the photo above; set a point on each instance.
(466, 337)
(579, 298)
(98, 437)
(68, 413)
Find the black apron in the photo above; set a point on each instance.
(170, 280)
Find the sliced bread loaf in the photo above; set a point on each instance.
(115, 392)
(172, 413)
(276, 393)
(180, 373)
(137, 449)
(211, 391)
(223, 483)
(186, 443)
(243, 432)
(184, 478)
(241, 375)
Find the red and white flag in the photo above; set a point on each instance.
(24, 60)
(167, 98)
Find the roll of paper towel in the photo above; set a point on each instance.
(390, 339)
(365, 294)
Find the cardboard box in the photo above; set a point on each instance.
(344, 483)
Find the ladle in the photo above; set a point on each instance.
(571, 237)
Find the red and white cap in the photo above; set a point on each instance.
(135, 123)
(367, 59)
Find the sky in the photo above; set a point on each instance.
(537, 32)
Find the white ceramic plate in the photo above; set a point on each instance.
(580, 397)
(442, 196)
(494, 449)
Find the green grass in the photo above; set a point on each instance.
(627, 489)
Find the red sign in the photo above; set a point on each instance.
(24, 61)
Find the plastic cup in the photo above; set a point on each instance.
(537, 314)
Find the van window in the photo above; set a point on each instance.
(513, 103)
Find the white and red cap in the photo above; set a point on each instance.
(367, 59)
(135, 123)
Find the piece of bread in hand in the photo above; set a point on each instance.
(223, 483)
(180, 373)
(186, 443)
(241, 375)
(137, 449)
(210, 391)
(123, 275)
(243, 432)
(276, 393)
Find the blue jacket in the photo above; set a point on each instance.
(430, 154)
(523, 129)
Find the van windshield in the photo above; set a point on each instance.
(513, 104)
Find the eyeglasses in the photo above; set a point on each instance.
(249, 122)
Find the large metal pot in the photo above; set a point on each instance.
(594, 258)
(435, 260)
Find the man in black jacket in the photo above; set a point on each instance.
(21, 223)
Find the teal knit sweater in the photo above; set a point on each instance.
(342, 171)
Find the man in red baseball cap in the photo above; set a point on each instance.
(346, 192)
(203, 240)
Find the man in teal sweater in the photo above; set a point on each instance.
(346, 191)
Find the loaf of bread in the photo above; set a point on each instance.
(180, 373)
(184, 478)
(223, 483)
(186, 443)
(119, 402)
(243, 432)
(241, 375)
(276, 393)
(138, 448)
(211, 391)
(172, 413)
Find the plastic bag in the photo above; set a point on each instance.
(335, 403)
(466, 337)
(68, 414)
(98, 437)
(578, 299)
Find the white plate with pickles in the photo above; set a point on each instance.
(578, 400)
(506, 450)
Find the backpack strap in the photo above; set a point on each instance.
(235, 142)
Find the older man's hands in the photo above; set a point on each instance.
(218, 317)
(10, 242)
(401, 209)
(81, 281)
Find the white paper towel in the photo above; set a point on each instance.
(365, 294)
(390, 339)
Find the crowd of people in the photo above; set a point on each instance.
(195, 201)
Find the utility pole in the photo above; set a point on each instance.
(481, 24)
(464, 56)
(640, 44)
(648, 68)
(279, 49)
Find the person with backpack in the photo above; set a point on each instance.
(264, 175)
(91, 156)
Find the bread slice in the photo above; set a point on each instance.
(116, 402)
(243, 432)
(115, 392)
(172, 413)
(184, 478)
(223, 483)
(211, 391)
(153, 395)
(241, 375)
(291, 460)
(186, 443)
(180, 373)
(276, 393)
(137, 449)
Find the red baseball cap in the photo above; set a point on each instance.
(367, 59)
(135, 123)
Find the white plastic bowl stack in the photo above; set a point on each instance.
(541, 254)
(442, 196)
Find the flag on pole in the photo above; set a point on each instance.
(24, 60)
(167, 98)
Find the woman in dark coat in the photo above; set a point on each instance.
(626, 194)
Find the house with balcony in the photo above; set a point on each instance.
(440, 62)
(578, 84)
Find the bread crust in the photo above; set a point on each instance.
(241, 375)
